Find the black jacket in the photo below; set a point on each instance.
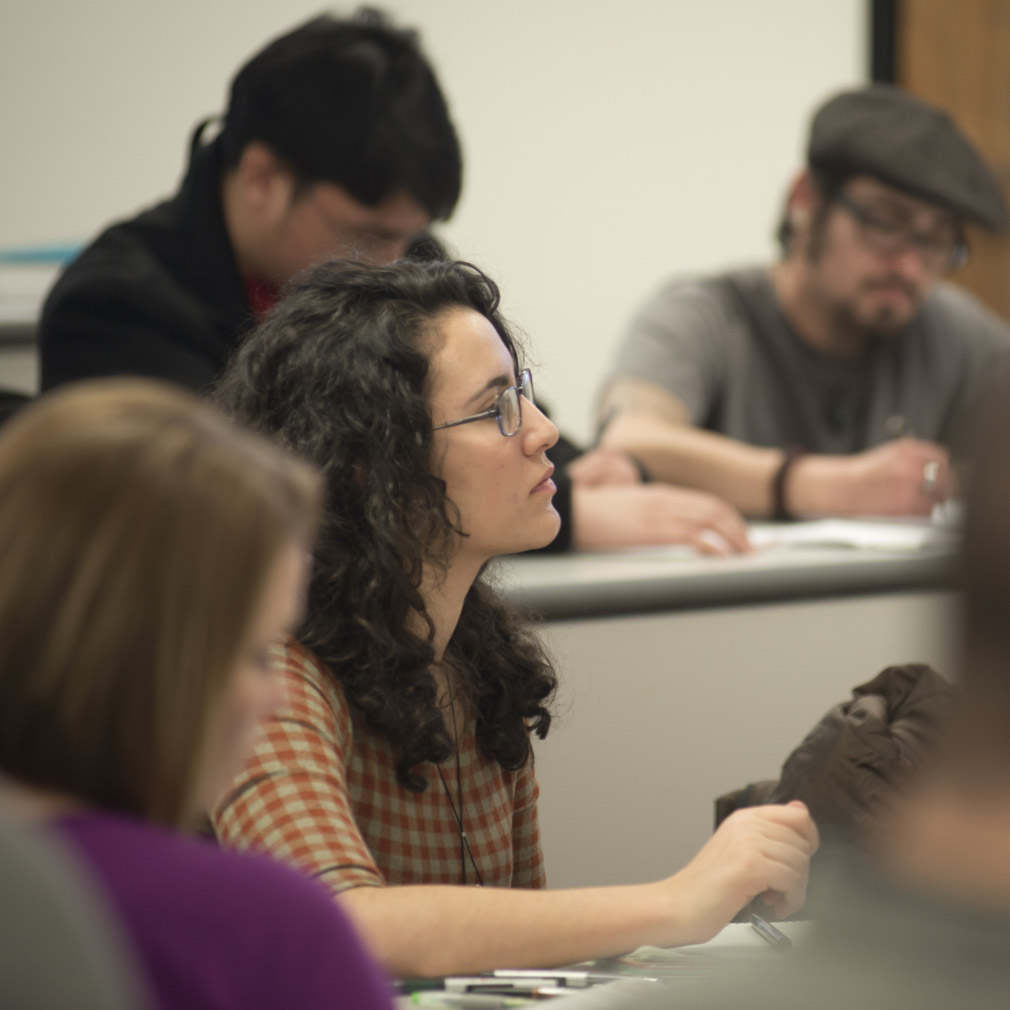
(159, 295)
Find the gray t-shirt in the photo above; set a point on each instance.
(723, 347)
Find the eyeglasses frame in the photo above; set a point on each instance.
(904, 237)
(523, 389)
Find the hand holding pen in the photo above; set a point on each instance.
(756, 851)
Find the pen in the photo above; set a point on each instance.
(492, 984)
(467, 1000)
(768, 932)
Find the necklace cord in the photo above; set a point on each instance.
(457, 810)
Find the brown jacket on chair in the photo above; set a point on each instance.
(858, 755)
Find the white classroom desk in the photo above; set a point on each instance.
(683, 678)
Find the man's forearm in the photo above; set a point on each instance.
(680, 454)
(889, 479)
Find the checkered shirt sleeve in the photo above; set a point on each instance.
(320, 792)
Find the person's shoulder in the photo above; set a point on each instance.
(162, 868)
(153, 232)
(751, 276)
(247, 885)
(132, 274)
(299, 662)
(62, 946)
(300, 932)
(190, 902)
(707, 311)
(312, 692)
(125, 842)
(719, 291)
(954, 310)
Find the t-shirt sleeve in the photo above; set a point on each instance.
(981, 341)
(527, 853)
(679, 340)
(290, 800)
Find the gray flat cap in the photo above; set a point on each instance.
(887, 133)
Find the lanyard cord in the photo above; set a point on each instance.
(457, 811)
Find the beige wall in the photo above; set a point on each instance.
(607, 144)
(627, 790)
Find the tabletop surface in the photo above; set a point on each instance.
(794, 561)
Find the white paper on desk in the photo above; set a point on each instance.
(858, 534)
(630, 992)
(738, 939)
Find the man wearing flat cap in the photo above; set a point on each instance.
(843, 379)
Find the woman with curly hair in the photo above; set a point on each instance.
(402, 755)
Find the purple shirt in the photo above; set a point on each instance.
(223, 931)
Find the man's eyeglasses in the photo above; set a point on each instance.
(362, 243)
(888, 237)
(507, 409)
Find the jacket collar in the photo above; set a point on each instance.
(210, 259)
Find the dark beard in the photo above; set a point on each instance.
(886, 324)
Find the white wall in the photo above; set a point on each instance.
(607, 144)
(627, 790)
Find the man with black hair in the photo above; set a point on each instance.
(336, 142)
(840, 380)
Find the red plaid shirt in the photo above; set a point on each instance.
(320, 792)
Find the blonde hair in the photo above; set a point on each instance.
(137, 528)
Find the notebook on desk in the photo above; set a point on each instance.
(858, 534)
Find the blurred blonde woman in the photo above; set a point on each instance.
(152, 553)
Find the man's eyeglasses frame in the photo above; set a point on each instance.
(889, 238)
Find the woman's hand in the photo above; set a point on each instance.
(756, 851)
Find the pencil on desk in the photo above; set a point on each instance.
(769, 933)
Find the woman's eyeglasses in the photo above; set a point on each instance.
(507, 409)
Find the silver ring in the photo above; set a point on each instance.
(930, 472)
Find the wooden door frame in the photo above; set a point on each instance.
(883, 41)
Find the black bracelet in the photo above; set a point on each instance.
(780, 509)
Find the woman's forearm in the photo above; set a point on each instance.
(443, 930)
(440, 930)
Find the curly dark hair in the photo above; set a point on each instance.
(337, 373)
